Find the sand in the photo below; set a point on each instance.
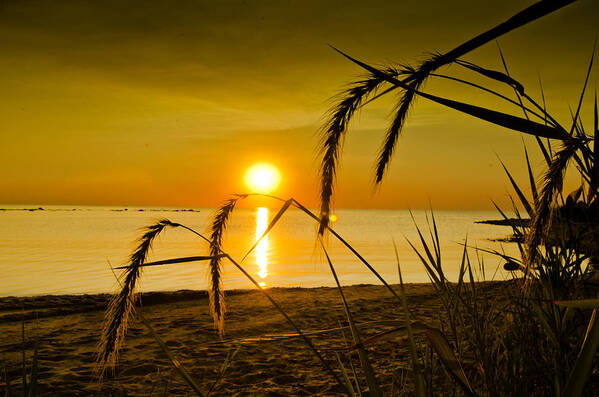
(269, 360)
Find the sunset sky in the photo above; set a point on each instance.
(167, 103)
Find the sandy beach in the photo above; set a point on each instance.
(269, 360)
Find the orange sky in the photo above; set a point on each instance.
(167, 103)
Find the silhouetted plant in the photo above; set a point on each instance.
(486, 347)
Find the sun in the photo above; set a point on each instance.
(262, 178)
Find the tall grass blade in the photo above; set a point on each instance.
(121, 305)
(495, 93)
(460, 283)
(503, 214)
(521, 195)
(579, 303)
(216, 293)
(531, 179)
(290, 321)
(177, 366)
(358, 388)
(532, 13)
(435, 237)
(525, 16)
(373, 386)
(386, 151)
(547, 152)
(518, 90)
(552, 184)
(596, 117)
(584, 363)
(352, 392)
(306, 340)
(495, 75)
(278, 307)
(33, 375)
(332, 136)
(187, 378)
(228, 360)
(595, 179)
(492, 116)
(441, 346)
(351, 364)
(584, 87)
(416, 326)
(429, 269)
(272, 223)
(420, 386)
(175, 260)
(525, 110)
(298, 205)
(574, 196)
(427, 251)
(269, 297)
(434, 266)
(336, 128)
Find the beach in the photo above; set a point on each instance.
(269, 358)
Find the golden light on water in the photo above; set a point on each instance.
(262, 178)
(262, 248)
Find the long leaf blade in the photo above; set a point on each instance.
(396, 332)
(301, 207)
(529, 14)
(521, 195)
(173, 361)
(586, 82)
(175, 260)
(579, 303)
(272, 223)
(441, 346)
(420, 387)
(531, 178)
(584, 363)
(350, 388)
(502, 119)
(596, 145)
(373, 385)
(33, 376)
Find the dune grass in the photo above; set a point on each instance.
(477, 342)
(540, 338)
(358, 95)
(556, 241)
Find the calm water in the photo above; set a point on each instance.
(64, 250)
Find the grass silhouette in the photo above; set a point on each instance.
(539, 338)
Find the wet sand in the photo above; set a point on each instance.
(270, 359)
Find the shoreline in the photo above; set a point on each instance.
(270, 360)
(18, 308)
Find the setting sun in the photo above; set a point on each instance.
(262, 178)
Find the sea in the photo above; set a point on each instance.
(72, 250)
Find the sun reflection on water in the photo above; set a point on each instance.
(262, 248)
